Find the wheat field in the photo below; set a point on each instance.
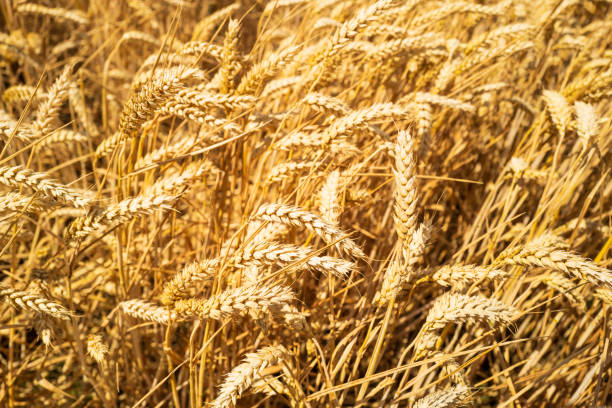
(305, 203)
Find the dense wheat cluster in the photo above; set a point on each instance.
(305, 203)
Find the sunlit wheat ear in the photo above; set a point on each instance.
(541, 252)
(519, 169)
(273, 254)
(587, 123)
(192, 276)
(325, 104)
(260, 73)
(207, 100)
(569, 289)
(560, 111)
(288, 170)
(16, 202)
(18, 94)
(458, 308)
(180, 181)
(252, 300)
(329, 205)
(96, 348)
(604, 294)
(458, 277)
(48, 110)
(230, 65)
(405, 194)
(142, 105)
(242, 376)
(144, 310)
(358, 119)
(455, 396)
(19, 176)
(119, 213)
(34, 302)
(9, 128)
(61, 14)
(203, 30)
(296, 217)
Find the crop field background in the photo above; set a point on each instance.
(305, 203)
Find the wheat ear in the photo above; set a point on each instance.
(34, 302)
(294, 216)
(242, 376)
(453, 397)
(253, 300)
(192, 274)
(39, 182)
(141, 309)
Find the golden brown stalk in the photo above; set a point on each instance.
(141, 309)
(119, 213)
(34, 302)
(541, 252)
(253, 300)
(19, 176)
(195, 273)
(242, 376)
(294, 216)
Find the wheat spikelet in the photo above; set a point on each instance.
(453, 8)
(45, 329)
(96, 348)
(253, 300)
(142, 105)
(20, 94)
(34, 302)
(18, 202)
(453, 397)
(568, 288)
(541, 252)
(181, 180)
(119, 213)
(74, 16)
(9, 128)
(286, 170)
(48, 110)
(141, 309)
(203, 30)
(587, 123)
(191, 275)
(202, 48)
(242, 376)
(282, 255)
(604, 294)
(263, 71)
(329, 205)
(109, 144)
(178, 148)
(205, 100)
(519, 169)
(325, 104)
(458, 308)
(560, 111)
(406, 200)
(299, 218)
(230, 65)
(62, 136)
(39, 182)
(459, 276)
